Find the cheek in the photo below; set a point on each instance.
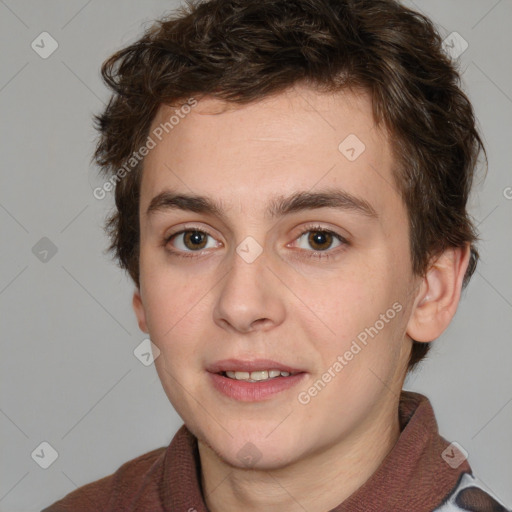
(170, 293)
(169, 309)
(343, 302)
(360, 315)
(175, 318)
(363, 361)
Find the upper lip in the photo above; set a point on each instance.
(233, 365)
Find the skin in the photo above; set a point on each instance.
(303, 312)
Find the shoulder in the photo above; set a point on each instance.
(469, 495)
(125, 484)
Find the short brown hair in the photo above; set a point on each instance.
(245, 50)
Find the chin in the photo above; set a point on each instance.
(251, 458)
(257, 452)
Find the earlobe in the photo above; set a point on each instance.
(138, 308)
(438, 295)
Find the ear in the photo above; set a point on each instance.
(438, 294)
(138, 308)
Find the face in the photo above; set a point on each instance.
(273, 238)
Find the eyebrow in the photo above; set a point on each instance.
(278, 206)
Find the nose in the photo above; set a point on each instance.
(250, 297)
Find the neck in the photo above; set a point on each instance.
(301, 485)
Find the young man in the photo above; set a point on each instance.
(291, 181)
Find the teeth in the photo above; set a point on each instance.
(257, 375)
(262, 375)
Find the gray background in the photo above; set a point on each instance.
(68, 372)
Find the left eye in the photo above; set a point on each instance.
(320, 239)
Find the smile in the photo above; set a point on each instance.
(253, 380)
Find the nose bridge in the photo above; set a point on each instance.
(248, 294)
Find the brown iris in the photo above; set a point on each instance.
(322, 238)
(196, 239)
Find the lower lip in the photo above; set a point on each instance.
(253, 391)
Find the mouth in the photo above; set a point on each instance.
(255, 380)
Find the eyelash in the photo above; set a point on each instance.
(319, 255)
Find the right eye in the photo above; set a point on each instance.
(189, 240)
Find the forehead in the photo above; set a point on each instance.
(296, 140)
